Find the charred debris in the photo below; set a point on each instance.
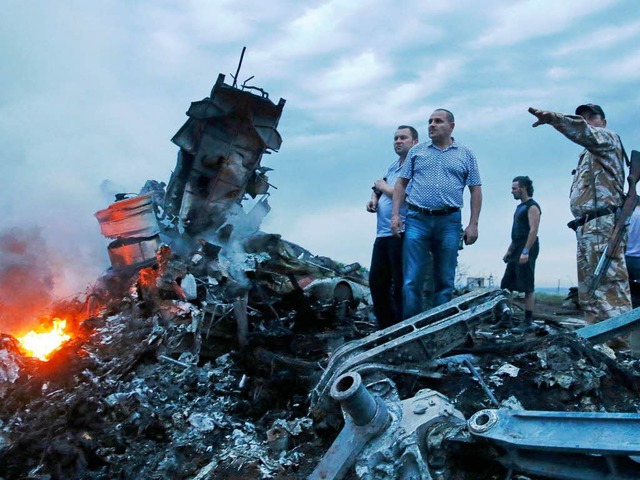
(213, 350)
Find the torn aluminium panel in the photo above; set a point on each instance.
(133, 225)
(221, 146)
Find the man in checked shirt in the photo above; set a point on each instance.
(432, 181)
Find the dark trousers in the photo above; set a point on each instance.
(385, 280)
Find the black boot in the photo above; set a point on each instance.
(526, 325)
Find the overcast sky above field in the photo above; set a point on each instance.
(92, 92)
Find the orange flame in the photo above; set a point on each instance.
(42, 345)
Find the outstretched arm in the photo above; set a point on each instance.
(576, 129)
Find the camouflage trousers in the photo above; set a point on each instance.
(612, 298)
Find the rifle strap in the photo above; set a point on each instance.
(624, 153)
(593, 184)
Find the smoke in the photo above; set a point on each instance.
(243, 226)
(26, 278)
(109, 189)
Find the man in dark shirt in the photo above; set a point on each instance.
(523, 251)
(385, 274)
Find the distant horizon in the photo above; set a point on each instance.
(496, 283)
(561, 290)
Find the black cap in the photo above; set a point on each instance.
(590, 107)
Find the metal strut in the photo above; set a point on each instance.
(563, 445)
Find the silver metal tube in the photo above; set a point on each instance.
(354, 398)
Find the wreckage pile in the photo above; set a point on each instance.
(213, 350)
(157, 386)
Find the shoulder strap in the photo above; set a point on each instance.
(624, 152)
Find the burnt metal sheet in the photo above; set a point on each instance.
(414, 341)
(133, 252)
(131, 217)
(567, 445)
(133, 224)
(614, 327)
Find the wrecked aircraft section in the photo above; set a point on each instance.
(133, 225)
(221, 146)
(214, 350)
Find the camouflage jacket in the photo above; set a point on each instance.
(599, 178)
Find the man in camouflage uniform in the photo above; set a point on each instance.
(596, 194)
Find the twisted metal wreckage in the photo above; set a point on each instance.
(221, 146)
(385, 436)
(414, 397)
(388, 437)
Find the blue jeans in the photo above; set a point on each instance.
(439, 234)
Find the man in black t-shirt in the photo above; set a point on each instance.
(523, 251)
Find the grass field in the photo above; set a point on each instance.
(552, 299)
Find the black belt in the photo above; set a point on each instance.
(590, 215)
(433, 211)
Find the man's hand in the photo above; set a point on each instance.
(381, 184)
(543, 116)
(505, 259)
(372, 206)
(470, 234)
(524, 258)
(396, 225)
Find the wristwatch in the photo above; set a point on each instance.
(525, 251)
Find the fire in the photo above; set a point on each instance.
(41, 345)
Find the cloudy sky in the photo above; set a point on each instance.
(92, 92)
